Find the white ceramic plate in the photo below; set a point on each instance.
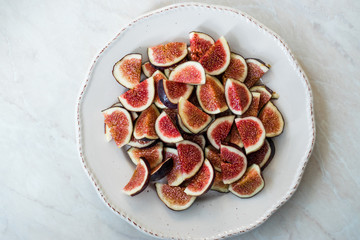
(214, 215)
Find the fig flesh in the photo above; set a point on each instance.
(174, 197)
(234, 137)
(213, 155)
(148, 69)
(127, 71)
(265, 95)
(272, 120)
(254, 106)
(157, 76)
(190, 72)
(191, 157)
(237, 68)
(198, 139)
(261, 156)
(217, 58)
(233, 164)
(145, 124)
(202, 181)
(175, 90)
(252, 133)
(219, 130)
(238, 96)
(166, 129)
(139, 180)
(256, 69)
(250, 184)
(199, 44)
(175, 176)
(168, 54)
(218, 184)
(153, 154)
(140, 143)
(140, 97)
(161, 170)
(211, 96)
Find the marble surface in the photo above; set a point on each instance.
(46, 49)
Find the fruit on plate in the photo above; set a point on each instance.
(219, 130)
(218, 184)
(202, 181)
(237, 68)
(272, 120)
(256, 69)
(213, 155)
(252, 133)
(262, 156)
(211, 96)
(161, 170)
(153, 154)
(233, 164)
(265, 95)
(198, 139)
(238, 97)
(127, 71)
(217, 58)
(175, 176)
(168, 54)
(234, 137)
(119, 124)
(140, 143)
(191, 157)
(139, 180)
(174, 197)
(250, 184)
(145, 124)
(199, 44)
(190, 72)
(167, 130)
(254, 106)
(157, 76)
(182, 126)
(140, 97)
(173, 91)
(192, 117)
(148, 69)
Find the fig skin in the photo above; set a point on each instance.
(198, 139)
(261, 156)
(122, 77)
(272, 154)
(142, 163)
(265, 94)
(140, 143)
(157, 76)
(256, 69)
(163, 98)
(161, 170)
(175, 176)
(270, 116)
(177, 191)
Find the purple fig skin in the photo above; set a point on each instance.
(272, 154)
(163, 97)
(161, 170)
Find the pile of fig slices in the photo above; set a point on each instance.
(186, 140)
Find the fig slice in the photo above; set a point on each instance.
(199, 44)
(127, 71)
(202, 181)
(253, 109)
(218, 184)
(219, 130)
(192, 117)
(157, 75)
(168, 54)
(140, 143)
(250, 184)
(161, 170)
(198, 139)
(252, 133)
(238, 96)
(145, 124)
(265, 95)
(190, 72)
(118, 124)
(234, 137)
(167, 72)
(261, 156)
(191, 157)
(237, 68)
(233, 164)
(175, 90)
(217, 58)
(174, 197)
(272, 120)
(166, 129)
(139, 180)
(256, 69)
(175, 176)
(153, 154)
(163, 97)
(211, 96)
(182, 126)
(140, 97)
(148, 69)
(213, 155)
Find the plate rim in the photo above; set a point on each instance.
(302, 163)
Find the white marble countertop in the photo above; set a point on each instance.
(46, 49)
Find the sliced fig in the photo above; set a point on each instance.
(233, 164)
(213, 155)
(202, 181)
(272, 154)
(256, 69)
(238, 96)
(199, 44)
(175, 90)
(254, 106)
(145, 124)
(140, 97)
(140, 143)
(219, 130)
(191, 157)
(198, 139)
(168, 54)
(119, 125)
(174, 197)
(167, 130)
(218, 184)
(217, 58)
(272, 120)
(211, 96)
(139, 180)
(167, 72)
(161, 170)
(175, 176)
(157, 75)
(252, 133)
(265, 95)
(172, 113)
(192, 117)
(153, 154)
(127, 71)
(163, 97)
(234, 137)
(261, 156)
(190, 72)
(148, 69)
(182, 126)
(237, 68)
(250, 184)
